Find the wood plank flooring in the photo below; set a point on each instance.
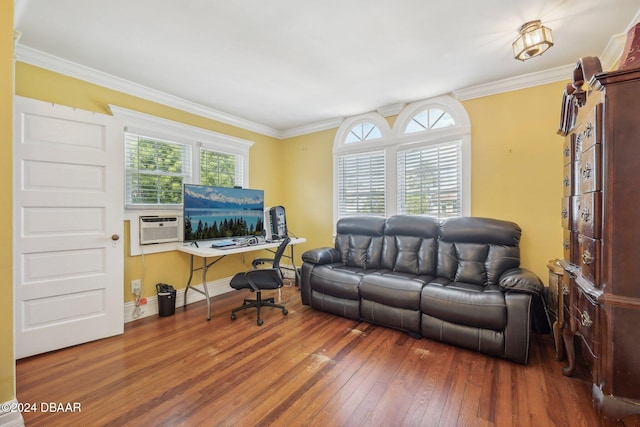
(305, 369)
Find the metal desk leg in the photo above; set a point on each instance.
(205, 290)
(205, 267)
(188, 281)
(295, 270)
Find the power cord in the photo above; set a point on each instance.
(138, 298)
(137, 310)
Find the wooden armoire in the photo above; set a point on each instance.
(601, 219)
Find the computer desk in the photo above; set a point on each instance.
(205, 251)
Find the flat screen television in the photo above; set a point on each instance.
(221, 212)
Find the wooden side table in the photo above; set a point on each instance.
(555, 303)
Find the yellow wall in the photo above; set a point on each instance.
(516, 172)
(168, 267)
(309, 187)
(6, 167)
(517, 167)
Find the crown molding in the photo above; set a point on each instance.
(613, 51)
(515, 83)
(391, 110)
(69, 68)
(608, 58)
(312, 127)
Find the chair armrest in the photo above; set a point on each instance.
(321, 256)
(259, 261)
(521, 280)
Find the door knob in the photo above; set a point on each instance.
(115, 237)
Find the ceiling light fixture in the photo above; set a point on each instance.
(534, 40)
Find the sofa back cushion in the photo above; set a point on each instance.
(477, 250)
(359, 241)
(410, 244)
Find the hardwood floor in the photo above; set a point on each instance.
(307, 368)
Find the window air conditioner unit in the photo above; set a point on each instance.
(158, 229)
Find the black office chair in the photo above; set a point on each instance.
(261, 278)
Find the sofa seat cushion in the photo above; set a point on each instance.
(336, 280)
(465, 304)
(340, 306)
(391, 290)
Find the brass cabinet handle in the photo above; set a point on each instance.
(585, 214)
(586, 320)
(587, 258)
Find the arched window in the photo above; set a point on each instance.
(421, 166)
(363, 131)
(430, 118)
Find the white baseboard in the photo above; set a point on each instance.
(216, 287)
(11, 418)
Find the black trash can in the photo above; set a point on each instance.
(166, 299)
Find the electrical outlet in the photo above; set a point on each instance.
(136, 287)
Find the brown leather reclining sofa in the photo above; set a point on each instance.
(456, 280)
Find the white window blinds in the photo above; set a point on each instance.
(155, 170)
(220, 169)
(361, 184)
(429, 180)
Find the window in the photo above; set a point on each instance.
(161, 156)
(155, 170)
(421, 166)
(362, 132)
(362, 184)
(431, 118)
(429, 180)
(220, 169)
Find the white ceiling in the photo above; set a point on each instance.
(286, 64)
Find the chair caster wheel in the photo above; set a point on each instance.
(233, 316)
(284, 311)
(259, 322)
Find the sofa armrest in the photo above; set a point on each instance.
(521, 280)
(321, 256)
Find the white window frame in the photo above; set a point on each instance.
(394, 138)
(164, 129)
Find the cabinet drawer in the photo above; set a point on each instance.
(586, 315)
(590, 169)
(590, 215)
(589, 132)
(570, 245)
(569, 211)
(589, 254)
(566, 213)
(569, 149)
(567, 181)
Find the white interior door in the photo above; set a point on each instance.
(68, 225)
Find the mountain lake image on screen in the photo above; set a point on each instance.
(221, 212)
